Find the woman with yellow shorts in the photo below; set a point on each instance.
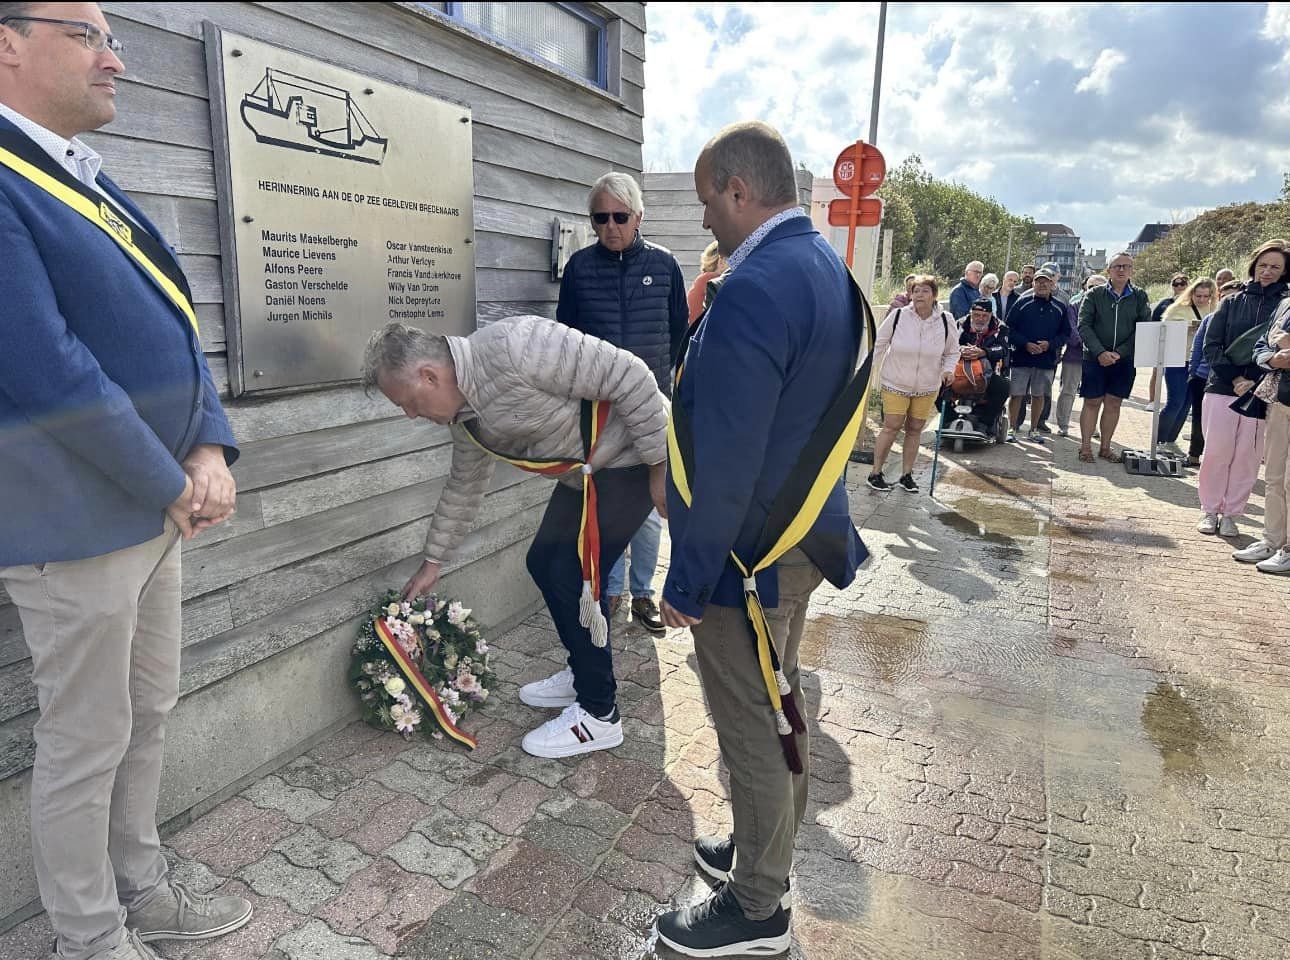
(917, 347)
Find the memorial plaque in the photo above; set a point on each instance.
(345, 202)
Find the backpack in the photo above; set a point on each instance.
(895, 322)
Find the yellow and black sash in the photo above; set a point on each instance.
(21, 155)
(794, 511)
(595, 413)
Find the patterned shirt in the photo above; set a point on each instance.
(757, 236)
(74, 156)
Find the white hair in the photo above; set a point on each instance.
(975, 264)
(989, 280)
(622, 187)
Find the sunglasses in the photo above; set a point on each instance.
(600, 219)
(1179, 283)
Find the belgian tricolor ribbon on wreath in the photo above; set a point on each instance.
(595, 413)
(24, 158)
(794, 511)
(416, 679)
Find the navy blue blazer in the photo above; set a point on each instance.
(762, 367)
(103, 385)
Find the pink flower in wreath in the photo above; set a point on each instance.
(467, 683)
(405, 719)
(457, 614)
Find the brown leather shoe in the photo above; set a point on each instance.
(614, 604)
(645, 612)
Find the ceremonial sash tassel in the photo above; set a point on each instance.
(595, 414)
(794, 511)
(415, 679)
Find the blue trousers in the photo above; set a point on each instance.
(623, 501)
(644, 553)
(1177, 403)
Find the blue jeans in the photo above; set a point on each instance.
(1177, 403)
(644, 551)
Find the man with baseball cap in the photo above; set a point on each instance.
(1037, 330)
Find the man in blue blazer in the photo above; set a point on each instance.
(763, 366)
(113, 447)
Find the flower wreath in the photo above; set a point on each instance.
(419, 656)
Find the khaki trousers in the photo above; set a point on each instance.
(1276, 479)
(767, 799)
(104, 640)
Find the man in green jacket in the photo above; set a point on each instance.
(1108, 321)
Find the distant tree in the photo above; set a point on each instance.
(1222, 237)
(898, 217)
(952, 224)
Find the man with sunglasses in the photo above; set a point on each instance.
(630, 292)
(113, 447)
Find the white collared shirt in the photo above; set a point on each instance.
(757, 236)
(73, 155)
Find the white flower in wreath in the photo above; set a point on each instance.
(450, 662)
(481, 647)
(457, 614)
(405, 719)
(392, 610)
(395, 686)
(483, 694)
(467, 683)
(450, 696)
(417, 619)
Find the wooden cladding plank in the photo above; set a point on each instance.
(501, 251)
(516, 285)
(161, 116)
(491, 312)
(633, 13)
(301, 455)
(159, 57)
(161, 168)
(503, 147)
(204, 277)
(511, 505)
(221, 564)
(263, 417)
(678, 180)
(633, 69)
(210, 321)
(501, 182)
(634, 40)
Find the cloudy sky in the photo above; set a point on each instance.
(1100, 116)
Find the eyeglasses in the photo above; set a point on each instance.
(1120, 266)
(600, 219)
(96, 39)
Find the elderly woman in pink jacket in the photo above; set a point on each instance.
(917, 347)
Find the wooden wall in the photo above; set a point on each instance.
(335, 491)
(674, 216)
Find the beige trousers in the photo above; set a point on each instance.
(104, 640)
(767, 799)
(1276, 478)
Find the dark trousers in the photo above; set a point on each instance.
(1196, 395)
(623, 503)
(996, 397)
(1174, 415)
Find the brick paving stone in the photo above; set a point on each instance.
(623, 784)
(514, 760)
(416, 854)
(338, 859)
(384, 904)
(392, 822)
(477, 840)
(576, 843)
(232, 835)
(326, 780)
(468, 919)
(514, 806)
(427, 786)
(345, 742)
(316, 940)
(374, 754)
(298, 803)
(353, 809)
(302, 888)
(30, 939)
(478, 792)
(598, 817)
(655, 879)
(529, 880)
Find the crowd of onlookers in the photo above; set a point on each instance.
(1008, 340)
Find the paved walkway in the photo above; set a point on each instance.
(1051, 721)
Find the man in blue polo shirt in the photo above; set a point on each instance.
(113, 447)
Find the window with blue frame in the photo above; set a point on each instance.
(566, 35)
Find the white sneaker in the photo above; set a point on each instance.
(1277, 563)
(1208, 524)
(555, 691)
(1228, 528)
(572, 733)
(1256, 552)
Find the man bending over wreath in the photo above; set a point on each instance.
(554, 401)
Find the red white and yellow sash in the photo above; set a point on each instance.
(421, 685)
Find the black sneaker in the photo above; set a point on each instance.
(907, 484)
(718, 928)
(716, 857)
(1044, 428)
(645, 612)
(878, 482)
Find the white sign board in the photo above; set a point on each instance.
(1163, 344)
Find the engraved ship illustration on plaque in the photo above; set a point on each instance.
(291, 111)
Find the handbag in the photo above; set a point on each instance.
(1268, 387)
(970, 377)
(1250, 404)
(1241, 350)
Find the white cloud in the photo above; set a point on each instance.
(1021, 102)
(1099, 78)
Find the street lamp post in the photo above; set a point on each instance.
(1007, 261)
(877, 74)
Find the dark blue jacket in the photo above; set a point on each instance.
(766, 362)
(103, 386)
(1035, 319)
(1236, 315)
(634, 299)
(962, 297)
(1197, 367)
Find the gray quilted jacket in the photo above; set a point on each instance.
(524, 379)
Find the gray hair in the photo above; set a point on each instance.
(1012, 273)
(396, 346)
(757, 154)
(16, 10)
(1122, 253)
(974, 263)
(622, 187)
(990, 280)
